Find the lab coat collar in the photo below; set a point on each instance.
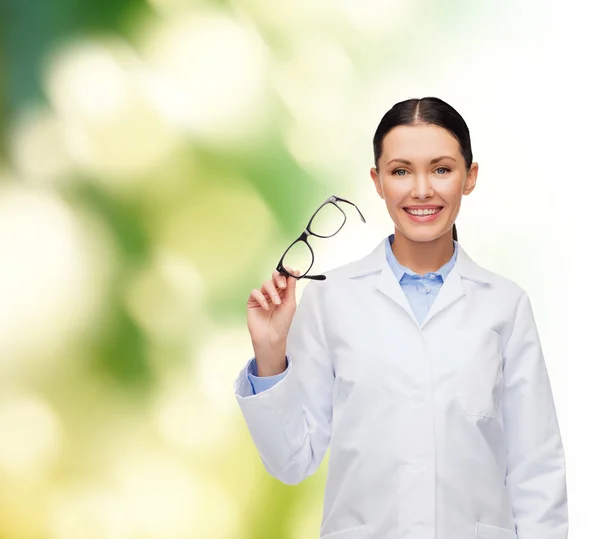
(403, 274)
(375, 266)
(376, 261)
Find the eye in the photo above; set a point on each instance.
(443, 168)
(399, 170)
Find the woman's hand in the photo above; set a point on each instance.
(270, 312)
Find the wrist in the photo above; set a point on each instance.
(270, 362)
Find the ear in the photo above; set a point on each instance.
(471, 179)
(375, 178)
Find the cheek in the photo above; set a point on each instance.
(395, 191)
(450, 191)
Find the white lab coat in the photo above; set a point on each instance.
(440, 430)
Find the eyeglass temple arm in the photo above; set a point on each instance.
(281, 269)
(348, 202)
(315, 277)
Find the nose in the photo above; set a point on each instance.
(422, 186)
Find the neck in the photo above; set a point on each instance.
(423, 256)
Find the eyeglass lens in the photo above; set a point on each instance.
(327, 222)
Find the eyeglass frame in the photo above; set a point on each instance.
(333, 199)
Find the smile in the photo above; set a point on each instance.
(421, 216)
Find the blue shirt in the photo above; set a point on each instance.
(420, 292)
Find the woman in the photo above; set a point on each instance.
(422, 371)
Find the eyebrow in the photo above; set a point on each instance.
(398, 160)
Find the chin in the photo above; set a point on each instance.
(421, 234)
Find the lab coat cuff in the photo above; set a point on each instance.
(263, 383)
(243, 384)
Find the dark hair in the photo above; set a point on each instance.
(426, 110)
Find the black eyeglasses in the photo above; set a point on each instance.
(326, 222)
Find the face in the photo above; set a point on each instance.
(422, 165)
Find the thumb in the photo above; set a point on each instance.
(291, 284)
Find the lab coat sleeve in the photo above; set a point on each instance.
(290, 422)
(262, 383)
(536, 475)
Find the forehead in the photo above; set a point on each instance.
(414, 141)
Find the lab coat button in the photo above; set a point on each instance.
(427, 290)
(432, 276)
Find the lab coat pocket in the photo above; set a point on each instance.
(487, 531)
(358, 532)
(479, 381)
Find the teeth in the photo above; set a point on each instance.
(423, 212)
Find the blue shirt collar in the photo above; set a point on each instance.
(401, 271)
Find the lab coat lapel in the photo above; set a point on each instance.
(388, 285)
(451, 291)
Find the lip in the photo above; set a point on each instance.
(423, 207)
(423, 218)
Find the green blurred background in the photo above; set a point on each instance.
(156, 157)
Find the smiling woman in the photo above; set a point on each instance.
(421, 370)
(432, 140)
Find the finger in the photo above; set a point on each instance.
(269, 287)
(258, 296)
(280, 279)
(292, 282)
